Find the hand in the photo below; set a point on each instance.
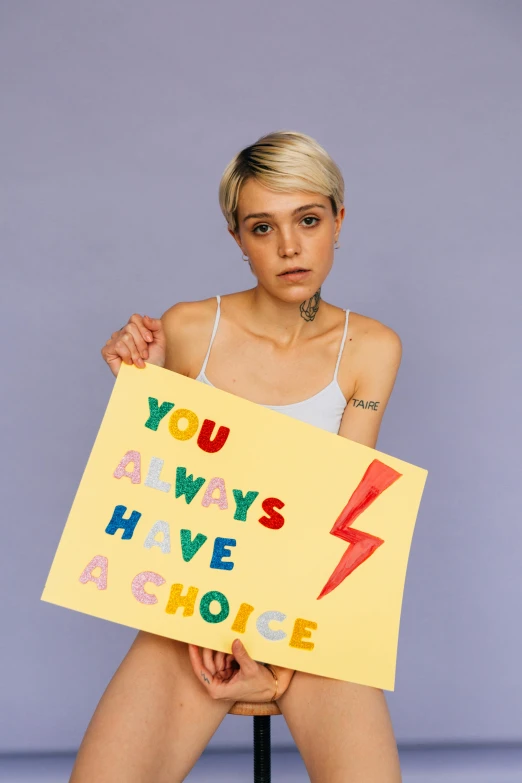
(141, 338)
(236, 676)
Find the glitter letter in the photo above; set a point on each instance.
(135, 476)
(164, 544)
(211, 446)
(263, 626)
(204, 607)
(157, 412)
(240, 623)
(118, 521)
(275, 520)
(153, 477)
(221, 550)
(301, 632)
(243, 503)
(190, 429)
(221, 501)
(138, 586)
(186, 485)
(99, 561)
(187, 601)
(189, 547)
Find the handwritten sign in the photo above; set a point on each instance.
(204, 517)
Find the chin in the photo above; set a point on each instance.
(296, 294)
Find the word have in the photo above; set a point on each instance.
(301, 629)
(188, 487)
(157, 412)
(189, 546)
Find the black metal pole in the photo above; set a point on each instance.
(262, 765)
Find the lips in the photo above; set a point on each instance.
(293, 271)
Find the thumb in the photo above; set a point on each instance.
(242, 657)
(152, 323)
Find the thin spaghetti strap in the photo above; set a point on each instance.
(214, 330)
(347, 312)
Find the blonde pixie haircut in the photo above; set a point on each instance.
(284, 161)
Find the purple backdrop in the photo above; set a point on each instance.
(117, 122)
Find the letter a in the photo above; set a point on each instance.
(135, 458)
(99, 561)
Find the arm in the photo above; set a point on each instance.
(376, 373)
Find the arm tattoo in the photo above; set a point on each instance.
(365, 404)
(205, 677)
(310, 306)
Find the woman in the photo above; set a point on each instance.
(281, 345)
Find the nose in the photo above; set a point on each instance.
(289, 245)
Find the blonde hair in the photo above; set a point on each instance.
(284, 161)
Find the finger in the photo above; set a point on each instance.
(126, 348)
(138, 320)
(153, 324)
(226, 672)
(208, 660)
(231, 662)
(141, 344)
(247, 664)
(219, 660)
(113, 361)
(116, 349)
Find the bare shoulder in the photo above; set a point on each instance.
(373, 349)
(374, 342)
(188, 326)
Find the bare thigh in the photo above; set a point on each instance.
(343, 730)
(153, 721)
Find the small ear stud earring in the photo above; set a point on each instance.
(337, 245)
(244, 257)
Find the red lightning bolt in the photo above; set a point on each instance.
(377, 478)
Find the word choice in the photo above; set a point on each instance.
(301, 630)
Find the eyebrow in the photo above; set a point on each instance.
(271, 215)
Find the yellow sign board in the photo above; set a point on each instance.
(204, 517)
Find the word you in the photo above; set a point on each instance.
(205, 442)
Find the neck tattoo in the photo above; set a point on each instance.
(310, 306)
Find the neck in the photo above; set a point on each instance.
(309, 307)
(286, 321)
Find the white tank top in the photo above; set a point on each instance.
(324, 409)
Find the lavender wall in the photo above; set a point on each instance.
(118, 119)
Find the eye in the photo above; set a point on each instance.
(261, 225)
(311, 217)
(265, 225)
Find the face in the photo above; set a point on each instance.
(281, 232)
